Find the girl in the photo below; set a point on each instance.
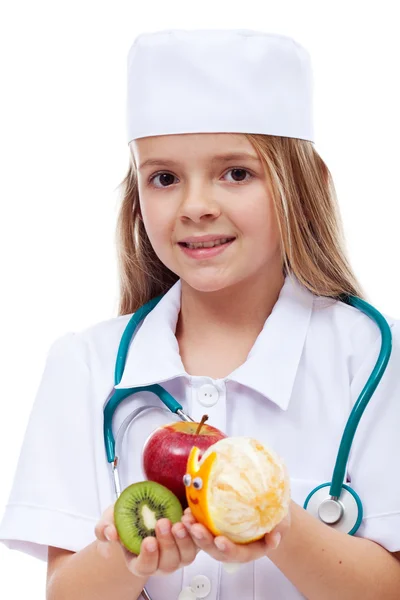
(229, 211)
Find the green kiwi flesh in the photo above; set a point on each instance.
(138, 508)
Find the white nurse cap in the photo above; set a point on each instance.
(214, 80)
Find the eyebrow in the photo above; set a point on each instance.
(216, 157)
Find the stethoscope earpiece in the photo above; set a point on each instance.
(344, 513)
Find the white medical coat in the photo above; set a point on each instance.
(294, 393)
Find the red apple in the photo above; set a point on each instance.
(166, 452)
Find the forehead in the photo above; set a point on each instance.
(185, 147)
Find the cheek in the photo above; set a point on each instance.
(158, 222)
(258, 222)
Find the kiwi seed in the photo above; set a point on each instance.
(139, 507)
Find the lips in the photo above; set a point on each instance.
(194, 500)
(211, 237)
(210, 244)
(204, 252)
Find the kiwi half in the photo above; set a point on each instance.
(139, 507)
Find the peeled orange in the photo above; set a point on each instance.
(239, 488)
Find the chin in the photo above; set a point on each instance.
(208, 283)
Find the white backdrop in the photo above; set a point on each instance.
(64, 152)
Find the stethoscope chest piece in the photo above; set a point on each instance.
(344, 513)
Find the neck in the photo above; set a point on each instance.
(241, 309)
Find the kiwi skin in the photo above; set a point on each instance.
(128, 512)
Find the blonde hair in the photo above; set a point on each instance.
(305, 201)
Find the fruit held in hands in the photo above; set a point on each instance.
(166, 452)
(239, 489)
(139, 507)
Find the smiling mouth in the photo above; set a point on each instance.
(194, 500)
(212, 244)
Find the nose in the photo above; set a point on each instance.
(198, 203)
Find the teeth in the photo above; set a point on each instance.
(207, 244)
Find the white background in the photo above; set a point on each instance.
(64, 154)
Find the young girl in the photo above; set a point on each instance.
(229, 211)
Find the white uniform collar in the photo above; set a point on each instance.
(271, 365)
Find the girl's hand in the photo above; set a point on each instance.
(171, 549)
(222, 549)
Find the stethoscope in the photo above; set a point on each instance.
(339, 507)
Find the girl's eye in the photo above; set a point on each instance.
(166, 177)
(239, 170)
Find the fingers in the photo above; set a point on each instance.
(171, 549)
(143, 565)
(273, 539)
(169, 553)
(106, 521)
(221, 548)
(224, 550)
(186, 547)
(147, 562)
(156, 554)
(188, 520)
(105, 531)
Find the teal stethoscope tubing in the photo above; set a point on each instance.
(174, 406)
(119, 395)
(366, 392)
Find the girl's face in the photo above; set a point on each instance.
(190, 191)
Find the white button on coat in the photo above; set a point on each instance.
(187, 594)
(201, 586)
(208, 395)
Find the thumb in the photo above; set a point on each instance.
(106, 521)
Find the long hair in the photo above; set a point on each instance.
(305, 201)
